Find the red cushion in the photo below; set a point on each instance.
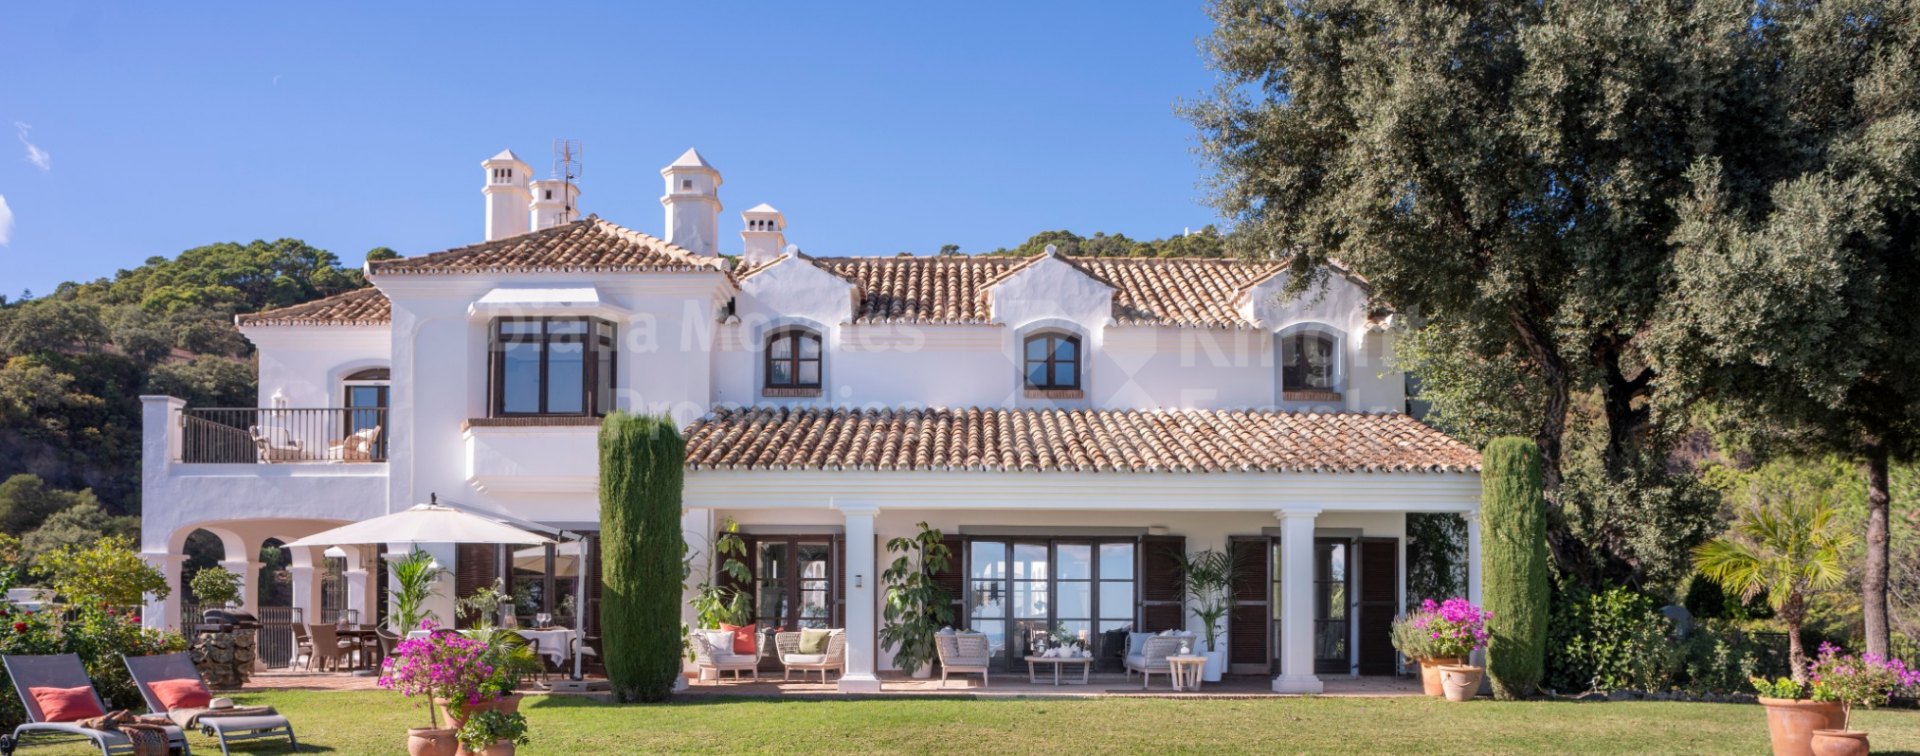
(66, 704)
(743, 639)
(181, 694)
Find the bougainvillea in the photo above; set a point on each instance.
(1452, 628)
(445, 666)
(1866, 680)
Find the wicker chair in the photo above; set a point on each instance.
(722, 659)
(964, 653)
(1153, 658)
(834, 660)
(357, 447)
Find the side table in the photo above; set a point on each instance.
(1187, 671)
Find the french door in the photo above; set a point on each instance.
(792, 582)
(1020, 590)
(1355, 598)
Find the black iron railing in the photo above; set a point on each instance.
(248, 435)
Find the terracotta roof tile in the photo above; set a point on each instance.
(358, 307)
(589, 245)
(1004, 440)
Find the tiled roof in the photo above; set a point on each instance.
(1005, 440)
(358, 307)
(1189, 292)
(590, 245)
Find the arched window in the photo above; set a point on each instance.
(1308, 361)
(1053, 362)
(793, 359)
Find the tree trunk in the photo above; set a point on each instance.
(1873, 580)
(1796, 654)
(1569, 554)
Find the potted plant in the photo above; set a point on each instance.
(215, 585)
(1412, 639)
(1208, 577)
(493, 733)
(1787, 549)
(414, 577)
(447, 669)
(716, 606)
(917, 607)
(512, 659)
(1453, 630)
(1848, 680)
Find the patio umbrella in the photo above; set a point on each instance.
(424, 523)
(566, 559)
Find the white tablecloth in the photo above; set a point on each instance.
(418, 634)
(553, 644)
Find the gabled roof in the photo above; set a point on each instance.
(1097, 441)
(358, 307)
(590, 245)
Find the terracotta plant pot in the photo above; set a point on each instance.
(502, 748)
(507, 704)
(1791, 723)
(426, 741)
(1430, 674)
(1839, 743)
(1461, 681)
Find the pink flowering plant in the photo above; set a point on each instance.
(1866, 680)
(1438, 630)
(440, 666)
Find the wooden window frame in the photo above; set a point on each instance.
(1079, 363)
(594, 343)
(1288, 349)
(793, 360)
(963, 561)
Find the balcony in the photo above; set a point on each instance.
(260, 435)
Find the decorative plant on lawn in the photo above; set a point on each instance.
(510, 654)
(486, 728)
(215, 585)
(642, 463)
(917, 607)
(414, 577)
(109, 572)
(1786, 549)
(440, 666)
(1208, 577)
(1866, 680)
(1413, 642)
(1454, 628)
(716, 604)
(1513, 526)
(482, 608)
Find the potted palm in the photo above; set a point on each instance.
(1208, 577)
(414, 577)
(1848, 680)
(1787, 548)
(917, 607)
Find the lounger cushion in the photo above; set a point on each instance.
(743, 638)
(804, 658)
(66, 704)
(181, 694)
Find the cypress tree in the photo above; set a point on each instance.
(642, 462)
(1513, 531)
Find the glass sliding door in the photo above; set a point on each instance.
(987, 592)
(1032, 606)
(1331, 631)
(792, 583)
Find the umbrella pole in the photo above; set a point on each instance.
(580, 609)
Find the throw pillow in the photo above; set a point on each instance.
(1137, 643)
(181, 694)
(814, 641)
(745, 640)
(66, 704)
(718, 641)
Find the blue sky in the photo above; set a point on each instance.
(134, 130)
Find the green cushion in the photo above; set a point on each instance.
(814, 641)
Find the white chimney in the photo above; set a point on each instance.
(693, 203)
(555, 203)
(765, 235)
(507, 195)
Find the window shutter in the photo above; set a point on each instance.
(1247, 623)
(1162, 596)
(1378, 592)
(475, 565)
(953, 578)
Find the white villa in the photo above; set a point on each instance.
(1069, 424)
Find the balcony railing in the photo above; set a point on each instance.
(249, 435)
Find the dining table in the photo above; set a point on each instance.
(367, 638)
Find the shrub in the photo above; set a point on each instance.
(1611, 640)
(99, 635)
(108, 572)
(917, 607)
(1719, 658)
(215, 585)
(641, 467)
(1513, 523)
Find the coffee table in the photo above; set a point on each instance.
(1187, 671)
(1034, 662)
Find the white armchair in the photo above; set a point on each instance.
(834, 660)
(1152, 658)
(964, 653)
(713, 650)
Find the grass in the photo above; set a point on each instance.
(375, 722)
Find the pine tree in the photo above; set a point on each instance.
(1513, 526)
(642, 462)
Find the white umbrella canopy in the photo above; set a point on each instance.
(424, 523)
(566, 559)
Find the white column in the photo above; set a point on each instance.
(360, 591)
(1474, 570)
(862, 633)
(1296, 603)
(164, 613)
(306, 592)
(249, 572)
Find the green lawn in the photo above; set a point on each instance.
(375, 722)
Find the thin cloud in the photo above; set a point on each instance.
(6, 221)
(35, 155)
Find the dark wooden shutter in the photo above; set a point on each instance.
(1247, 630)
(839, 612)
(475, 565)
(953, 579)
(1162, 595)
(1377, 593)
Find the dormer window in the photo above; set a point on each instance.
(1309, 366)
(793, 363)
(561, 366)
(1052, 363)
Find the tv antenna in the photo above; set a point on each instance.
(567, 155)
